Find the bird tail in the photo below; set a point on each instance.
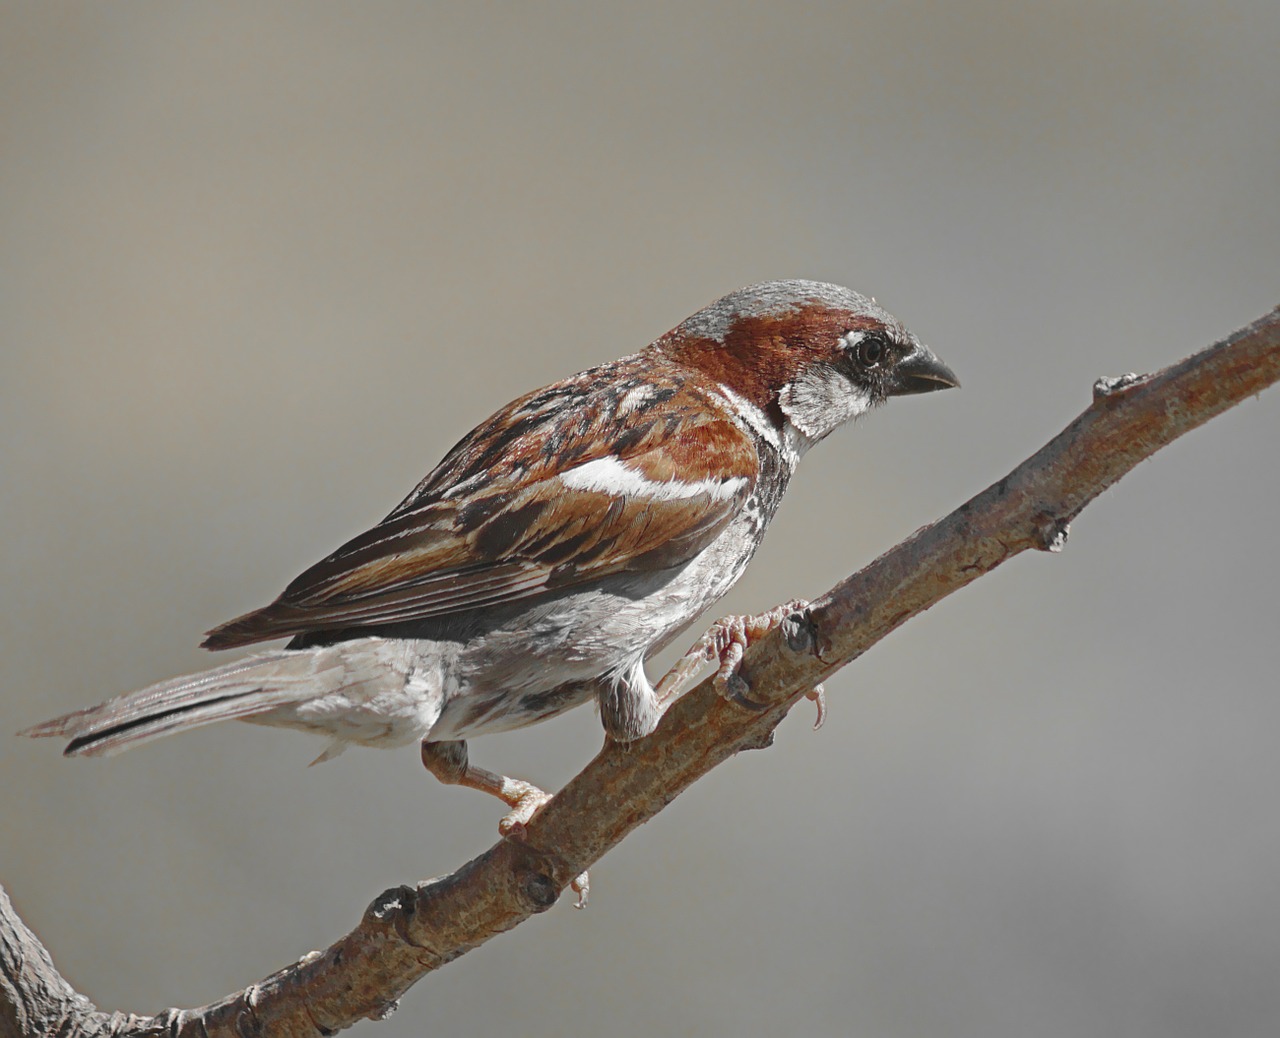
(235, 690)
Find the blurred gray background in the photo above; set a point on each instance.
(261, 264)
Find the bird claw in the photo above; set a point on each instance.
(724, 644)
(514, 826)
(449, 763)
(818, 695)
(736, 689)
(526, 803)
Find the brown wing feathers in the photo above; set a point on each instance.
(497, 522)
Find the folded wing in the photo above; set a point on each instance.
(627, 488)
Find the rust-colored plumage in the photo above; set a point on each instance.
(519, 530)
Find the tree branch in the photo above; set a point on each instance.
(409, 931)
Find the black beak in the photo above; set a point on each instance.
(921, 372)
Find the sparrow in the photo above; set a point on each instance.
(554, 550)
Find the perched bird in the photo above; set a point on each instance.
(556, 548)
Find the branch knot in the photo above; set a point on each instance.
(1113, 385)
(1050, 533)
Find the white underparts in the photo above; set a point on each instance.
(611, 476)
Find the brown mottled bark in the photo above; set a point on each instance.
(409, 931)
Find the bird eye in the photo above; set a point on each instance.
(870, 350)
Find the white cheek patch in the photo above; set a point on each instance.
(611, 476)
(820, 400)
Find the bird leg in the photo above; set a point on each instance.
(448, 761)
(725, 644)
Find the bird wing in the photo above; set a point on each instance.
(535, 500)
